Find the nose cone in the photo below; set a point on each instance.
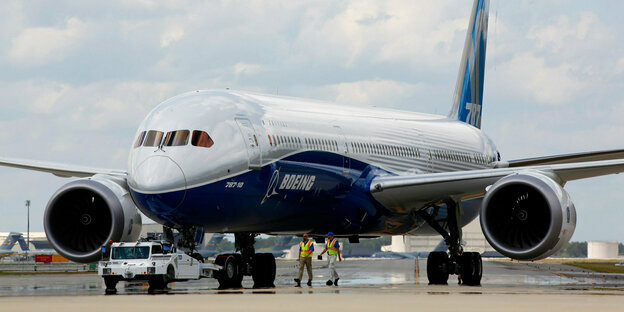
(160, 179)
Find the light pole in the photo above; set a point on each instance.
(28, 224)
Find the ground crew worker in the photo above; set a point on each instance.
(332, 248)
(306, 249)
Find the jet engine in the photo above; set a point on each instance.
(84, 214)
(527, 216)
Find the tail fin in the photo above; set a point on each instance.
(8, 243)
(214, 242)
(468, 98)
(282, 243)
(14, 237)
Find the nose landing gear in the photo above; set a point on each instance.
(466, 265)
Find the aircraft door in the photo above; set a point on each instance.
(251, 142)
(423, 150)
(343, 149)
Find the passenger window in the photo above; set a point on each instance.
(139, 139)
(153, 138)
(201, 139)
(177, 138)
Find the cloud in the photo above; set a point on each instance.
(373, 92)
(247, 69)
(565, 35)
(47, 100)
(414, 33)
(42, 45)
(529, 77)
(619, 67)
(170, 36)
(50, 120)
(77, 80)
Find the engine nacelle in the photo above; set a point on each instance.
(527, 216)
(84, 214)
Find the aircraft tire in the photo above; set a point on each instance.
(438, 268)
(471, 268)
(231, 275)
(263, 270)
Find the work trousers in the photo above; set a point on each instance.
(305, 262)
(331, 264)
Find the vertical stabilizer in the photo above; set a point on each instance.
(8, 243)
(468, 97)
(214, 242)
(12, 238)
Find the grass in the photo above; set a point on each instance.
(602, 267)
(596, 265)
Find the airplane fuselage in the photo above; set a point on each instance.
(287, 165)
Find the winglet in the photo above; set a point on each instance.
(468, 97)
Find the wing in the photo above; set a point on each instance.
(413, 191)
(61, 170)
(569, 158)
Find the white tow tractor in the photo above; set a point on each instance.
(153, 261)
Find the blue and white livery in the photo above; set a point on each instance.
(245, 163)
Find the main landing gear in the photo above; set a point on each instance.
(261, 266)
(467, 265)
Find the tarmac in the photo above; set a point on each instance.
(365, 285)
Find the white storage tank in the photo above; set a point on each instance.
(602, 249)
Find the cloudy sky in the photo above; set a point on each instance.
(76, 78)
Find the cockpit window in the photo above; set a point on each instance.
(139, 139)
(177, 138)
(201, 139)
(153, 138)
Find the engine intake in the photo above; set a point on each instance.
(527, 216)
(84, 214)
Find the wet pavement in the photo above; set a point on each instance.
(357, 275)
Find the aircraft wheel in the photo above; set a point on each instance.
(230, 276)
(471, 268)
(438, 268)
(263, 270)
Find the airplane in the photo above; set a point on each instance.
(239, 162)
(284, 243)
(209, 250)
(6, 248)
(42, 247)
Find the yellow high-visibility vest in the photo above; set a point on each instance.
(331, 249)
(305, 249)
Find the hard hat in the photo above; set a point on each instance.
(330, 234)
